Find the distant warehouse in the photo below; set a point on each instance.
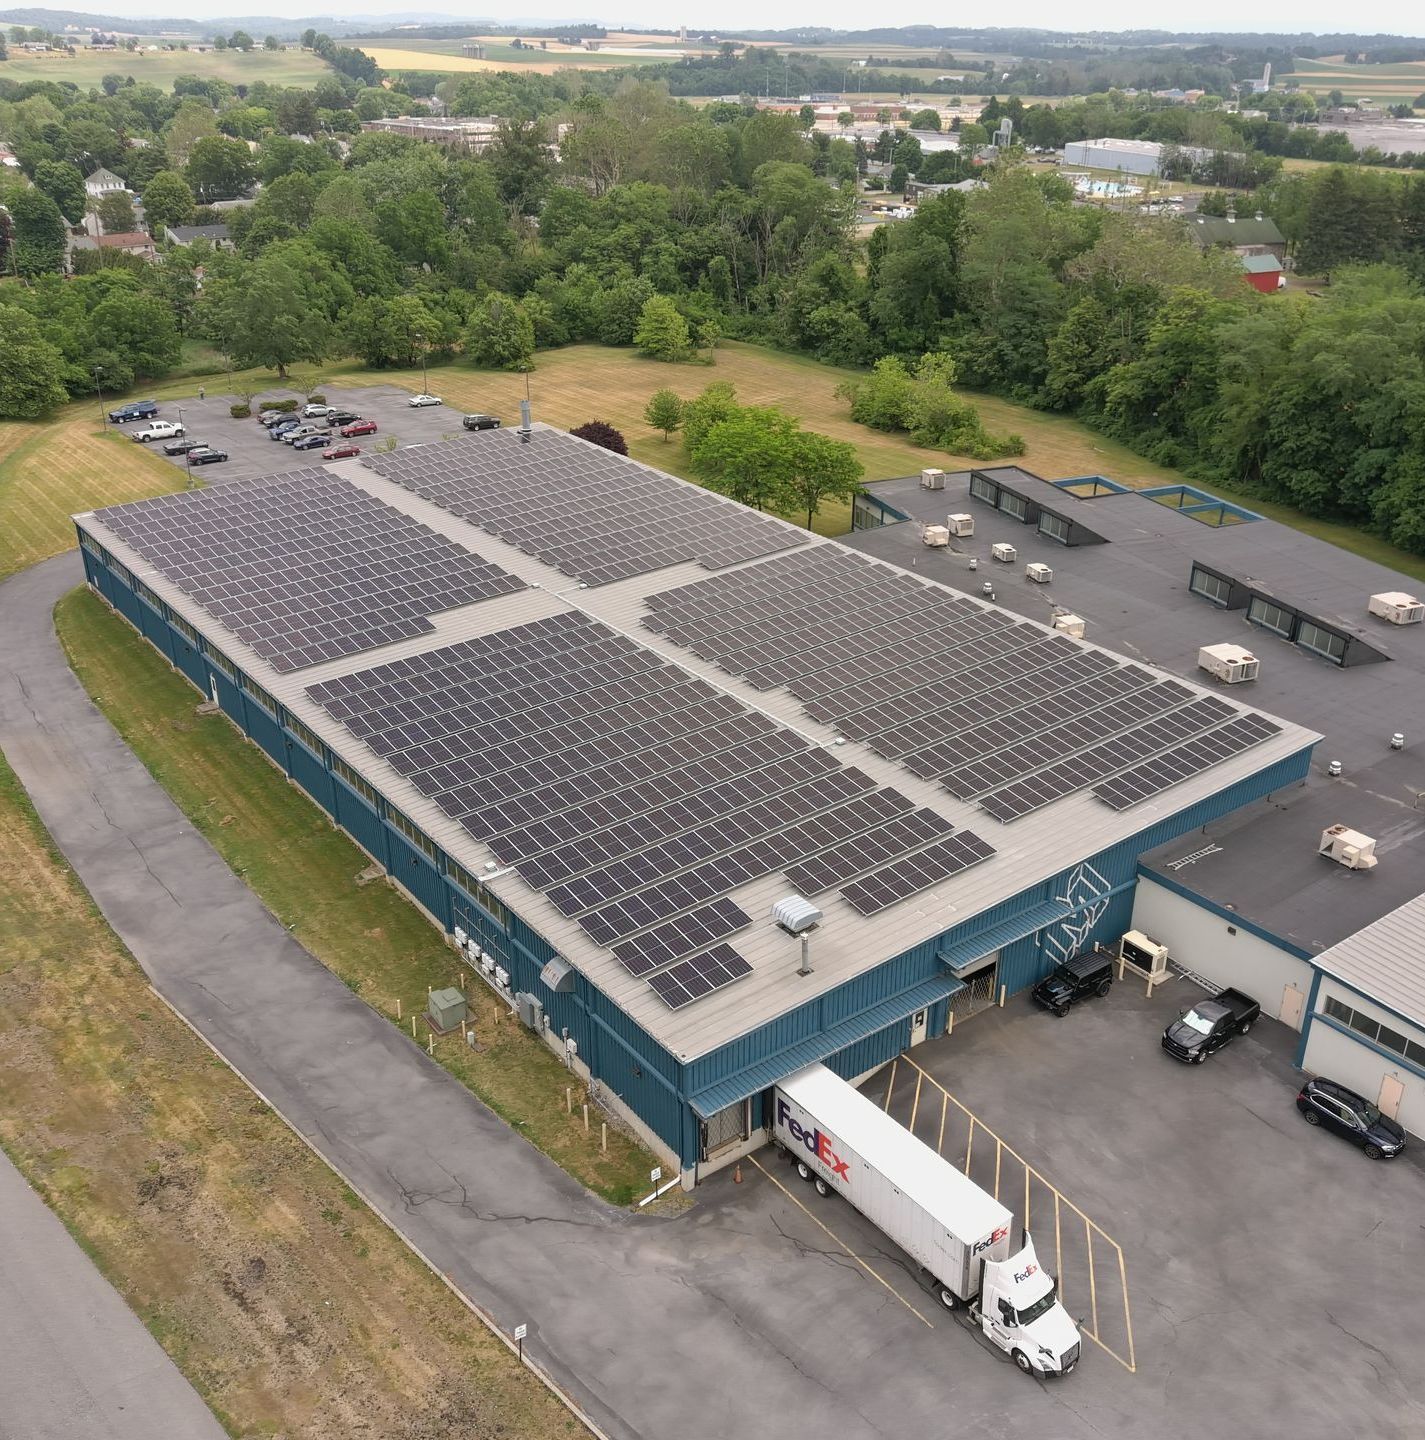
(705, 798)
(1133, 157)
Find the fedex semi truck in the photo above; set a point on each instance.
(958, 1234)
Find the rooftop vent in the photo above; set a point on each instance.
(795, 913)
(1229, 663)
(932, 479)
(1348, 847)
(1397, 607)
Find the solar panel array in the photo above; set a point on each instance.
(634, 794)
(305, 567)
(585, 511)
(953, 689)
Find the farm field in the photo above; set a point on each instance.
(277, 67)
(1391, 83)
(499, 55)
(290, 1307)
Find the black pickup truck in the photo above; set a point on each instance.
(134, 410)
(1209, 1025)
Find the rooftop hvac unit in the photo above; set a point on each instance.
(1229, 663)
(932, 479)
(795, 913)
(1039, 574)
(1348, 847)
(960, 525)
(1006, 554)
(1070, 625)
(936, 536)
(1397, 607)
(531, 1011)
(1144, 955)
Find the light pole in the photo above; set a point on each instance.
(103, 418)
(425, 382)
(187, 456)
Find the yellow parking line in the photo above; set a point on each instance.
(915, 1104)
(1127, 1317)
(879, 1280)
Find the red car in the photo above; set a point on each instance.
(341, 452)
(359, 427)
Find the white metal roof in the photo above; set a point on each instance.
(1028, 852)
(1386, 960)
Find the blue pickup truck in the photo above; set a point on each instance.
(134, 410)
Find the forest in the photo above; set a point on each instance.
(723, 221)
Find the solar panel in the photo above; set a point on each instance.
(845, 862)
(702, 974)
(305, 567)
(589, 513)
(1187, 760)
(885, 887)
(674, 939)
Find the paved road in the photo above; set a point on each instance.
(74, 1359)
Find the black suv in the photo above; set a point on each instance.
(480, 422)
(1333, 1107)
(1067, 984)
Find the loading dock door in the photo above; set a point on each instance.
(979, 991)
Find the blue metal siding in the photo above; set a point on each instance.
(311, 774)
(156, 630)
(262, 728)
(417, 872)
(190, 662)
(229, 698)
(360, 821)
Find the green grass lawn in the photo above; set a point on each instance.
(304, 870)
(86, 68)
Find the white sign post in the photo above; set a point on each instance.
(656, 1174)
(520, 1332)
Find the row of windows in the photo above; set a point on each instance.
(304, 733)
(983, 489)
(1383, 1035)
(1279, 619)
(259, 694)
(1210, 587)
(416, 836)
(1055, 527)
(477, 891)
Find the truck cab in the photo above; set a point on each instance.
(1019, 1311)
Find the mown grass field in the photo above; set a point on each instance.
(86, 68)
(291, 1308)
(305, 870)
(499, 55)
(1392, 83)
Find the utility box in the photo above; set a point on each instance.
(531, 1010)
(1144, 955)
(1397, 607)
(936, 536)
(960, 525)
(1229, 663)
(1005, 554)
(1070, 625)
(445, 1009)
(932, 479)
(1039, 574)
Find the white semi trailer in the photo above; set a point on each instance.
(958, 1234)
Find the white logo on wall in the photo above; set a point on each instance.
(1086, 893)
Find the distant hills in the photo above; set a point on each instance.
(56, 21)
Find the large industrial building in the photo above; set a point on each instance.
(1307, 899)
(598, 723)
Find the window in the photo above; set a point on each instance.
(1055, 527)
(144, 593)
(122, 571)
(983, 489)
(1209, 586)
(356, 782)
(1326, 643)
(1013, 504)
(1382, 1035)
(220, 661)
(91, 544)
(1270, 616)
(477, 892)
(183, 628)
(304, 733)
(259, 694)
(417, 837)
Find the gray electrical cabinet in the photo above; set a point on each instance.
(446, 1009)
(531, 1011)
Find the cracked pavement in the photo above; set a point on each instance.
(738, 1317)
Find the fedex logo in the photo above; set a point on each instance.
(1025, 1273)
(818, 1143)
(989, 1240)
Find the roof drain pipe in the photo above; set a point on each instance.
(524, 431)
(805, 967)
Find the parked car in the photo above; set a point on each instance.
(419, 401)
(156, 430)
(480, 422)
(134, 410)
(311, 442)
(360, 427)
(269, 418)
(342, 417)
(181, 447)
(206, 455)
(344, 451)
(1072, 981)
(300, 432)
(316, 412)
(1328, 1104)
(282, 427)
(1209, 1025)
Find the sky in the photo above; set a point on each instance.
(1399, 17)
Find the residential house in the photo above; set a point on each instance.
(103, 182)
(216, 235)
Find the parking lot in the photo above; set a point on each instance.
(1273, 1270)
(254, 453)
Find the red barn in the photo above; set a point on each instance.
(1264, 273)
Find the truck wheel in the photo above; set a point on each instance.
(822, 1188)
(949, 1299)
(1245, 1028)
(803, 1170)
(1105, 987)
(1199, 1057)
(1311, 1117)
(1062, 1011)
(1022, 1360)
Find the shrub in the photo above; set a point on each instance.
(600, 432)
(240, 411)
(316, 398)
(285, 406)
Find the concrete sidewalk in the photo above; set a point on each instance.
(76, 1360)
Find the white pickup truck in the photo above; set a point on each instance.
(957, 1233)
(156, 430)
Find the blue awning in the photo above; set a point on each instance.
(817, 1047)
(965, 952)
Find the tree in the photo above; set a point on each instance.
(240, 40)
(664, 412)
(167, 201)
(823, 469)
(601, 433)
(309, 38)
(37, 233)
(64, 184)
(191, 122)
(391, 332)
(662, 332)
(269, 318)
(521, 163)
(925, 120)
(219, 168)
(846, 119)
(30, 368)
(500, 333)
(751, 457)
(141, 329)
(116, 213)
(718, 402)
(271, 42)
